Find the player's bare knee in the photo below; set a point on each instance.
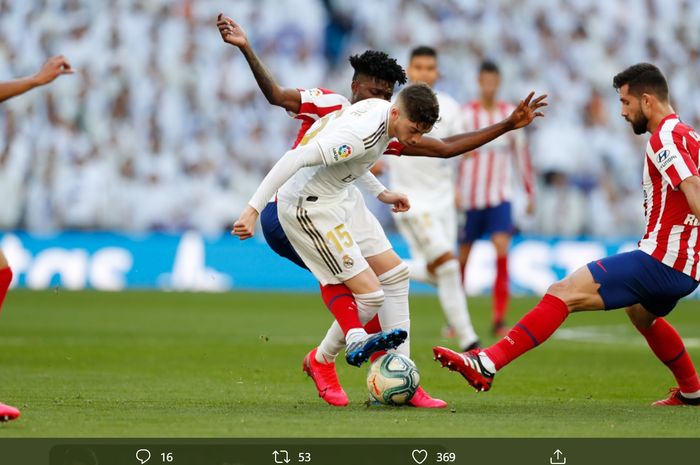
(559, 289)
(384, 262)
(364, 283)
(501, 242)
(564, 290)
(3, 261)
(441, 260)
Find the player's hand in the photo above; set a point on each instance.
(527, 111)
(54, 67)
(244, 228)
(398, 200)
(231, 32)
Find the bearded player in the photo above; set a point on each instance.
(647, 282)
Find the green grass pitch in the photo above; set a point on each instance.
(156, 364)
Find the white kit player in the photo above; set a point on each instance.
(430, 228)
(327, 223)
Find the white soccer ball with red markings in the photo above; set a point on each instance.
(393, 379)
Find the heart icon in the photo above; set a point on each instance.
(419, 455)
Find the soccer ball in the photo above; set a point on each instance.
(393, 379)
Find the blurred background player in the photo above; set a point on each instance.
(647, 282)
(430, 227)
(485, 186)
(54, 67)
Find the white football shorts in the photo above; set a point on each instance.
(429, 233)
(333, 238)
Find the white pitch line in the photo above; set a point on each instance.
(614, 335)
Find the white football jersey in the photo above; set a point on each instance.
(429, 182)
(350, 141)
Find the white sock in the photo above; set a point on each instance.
(454, 302)
(367, 306)
(418, 271)
(395, 314)
(331, 345)
(355, 335)
(487, 362)
(691, 395)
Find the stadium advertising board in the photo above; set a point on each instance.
(193, 262)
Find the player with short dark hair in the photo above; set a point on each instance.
(488, 66)
(421, 108)
(423, 51)
(485, 187)
(640, 79)
(648, 282)
(54, 67)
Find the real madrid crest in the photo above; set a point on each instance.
(348, 262)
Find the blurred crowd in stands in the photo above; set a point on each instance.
(163, 127)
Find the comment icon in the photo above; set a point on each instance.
(143, 455)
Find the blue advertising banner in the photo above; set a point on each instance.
(193, 262)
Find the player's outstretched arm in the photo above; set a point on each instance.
(691, 188)
(524, 114)
(54, 67)
(232, 33)
(290, 163)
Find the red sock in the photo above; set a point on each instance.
(373, 358)
(373, 325)
(500, 290)
(340, 301)
(5, 280)
(668, 346)
(532, 330)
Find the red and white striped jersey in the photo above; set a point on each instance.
(315, 104)
(671, 228)
(485, 176)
